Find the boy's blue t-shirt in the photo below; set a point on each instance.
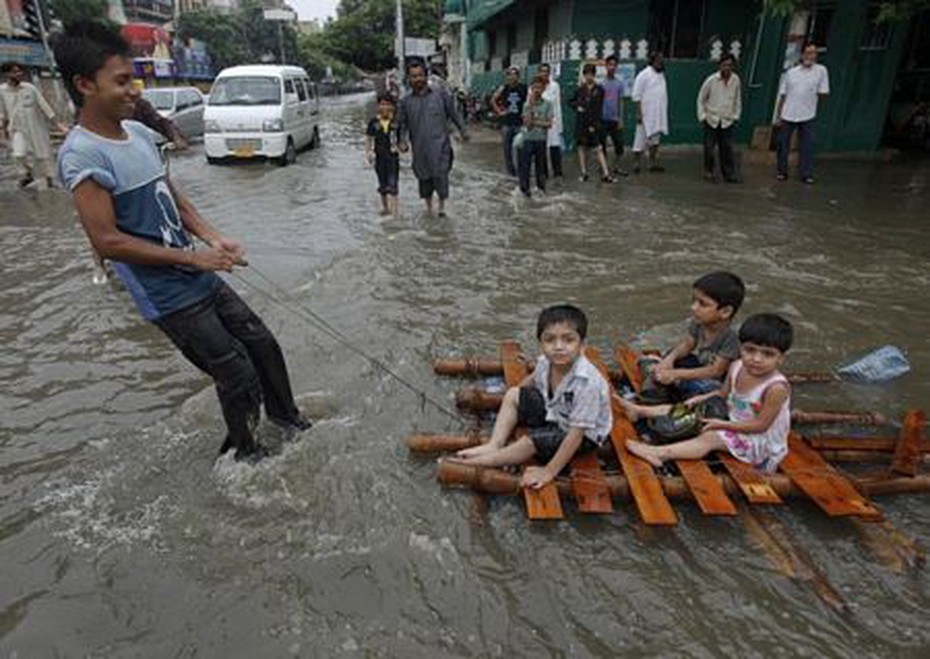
(134, 174)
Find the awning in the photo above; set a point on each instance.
(483, 10)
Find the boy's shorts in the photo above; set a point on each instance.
(387, 170)
(545, 435)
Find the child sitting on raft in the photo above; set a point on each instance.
(564, 403)
(758, 402)
(700, 361)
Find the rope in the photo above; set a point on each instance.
(281, 297)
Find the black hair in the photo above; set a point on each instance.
(83, 49)
(653, 54)
(808, 44)
(562, 313)
(728, 56)
(546, 66)
(415, 64)
(386, 98)
(588, 68)
(611, 58)
(767, 329)
(724, 288)
(6, 67)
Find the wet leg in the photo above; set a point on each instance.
(513, 454)
(504, 425)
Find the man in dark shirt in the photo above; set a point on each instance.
(508, 102)
(588, 102)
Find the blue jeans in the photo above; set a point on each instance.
(805, 147)
(224, 338)
(507, 135)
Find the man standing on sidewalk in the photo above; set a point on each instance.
(24, 117)
(718, 107)
(614, 91)
(508, 102)
(799, 92)
(650, 96)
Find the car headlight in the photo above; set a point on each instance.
(272, 126)
(211, 126)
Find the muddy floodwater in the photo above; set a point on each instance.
(120, 536)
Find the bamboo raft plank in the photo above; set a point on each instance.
(907, 455)
(749, 480)
(654, 508)
(589, 485)
(709, 494)
(543, 503)
(835, 495)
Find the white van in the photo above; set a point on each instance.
(261, 111)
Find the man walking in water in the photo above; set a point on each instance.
(23, 116)
(423, 118)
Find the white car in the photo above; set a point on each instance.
(183, 105)
(261, 111)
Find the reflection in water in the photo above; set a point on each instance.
(120, 535)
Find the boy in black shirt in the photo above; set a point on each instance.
(381, 150)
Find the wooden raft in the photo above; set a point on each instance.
(653, 506)
(707, 491)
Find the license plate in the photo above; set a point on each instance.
(247, 151)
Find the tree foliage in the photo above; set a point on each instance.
(892, 10)
(69, 11)
(239, 37)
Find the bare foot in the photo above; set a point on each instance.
(644, 451)
(475, 451)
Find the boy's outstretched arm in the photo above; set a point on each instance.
(537, 477)
(95, 208)
(713, 371)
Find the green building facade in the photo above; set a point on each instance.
(862, 55)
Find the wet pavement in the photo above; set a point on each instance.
(119, 536)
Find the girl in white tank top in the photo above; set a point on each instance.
(763, 450)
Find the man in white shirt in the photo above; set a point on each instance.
(801, 88)
(650, 96)
(719, 107)
(553, 94)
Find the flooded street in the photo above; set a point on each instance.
(120, 537)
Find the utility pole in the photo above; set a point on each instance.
(399, 44)
(43, 35)
(280, 15)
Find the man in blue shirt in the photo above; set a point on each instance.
(135, 217)
(612, 125)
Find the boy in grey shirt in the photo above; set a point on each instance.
(564, 403)
(700, 361)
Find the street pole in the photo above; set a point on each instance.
(399, 45)
(43, 35)
(281, 40)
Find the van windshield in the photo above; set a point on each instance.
(246, 91)
(162, 99)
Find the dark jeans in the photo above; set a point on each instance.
(533, 153)
(613, 131)
(555, 155)
(805, 147)
(721, 138)
(224, 338)
(507, 134)
(387, 168)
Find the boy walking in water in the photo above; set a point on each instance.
(537, 118)
(135, 217)
(565, 404)
(700, 360)
(381, 151)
